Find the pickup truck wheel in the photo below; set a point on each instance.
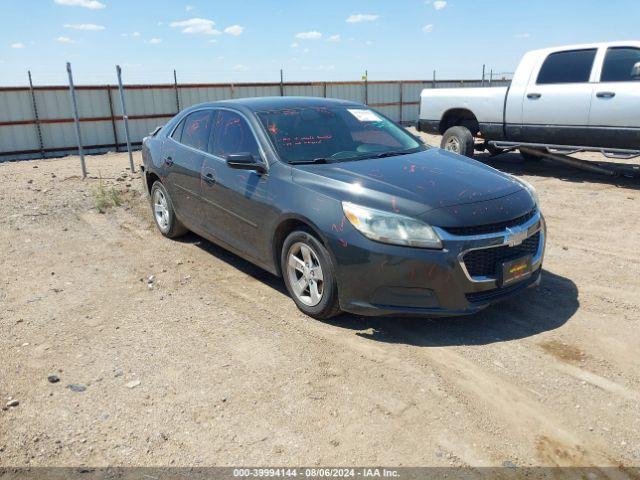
(458, 140)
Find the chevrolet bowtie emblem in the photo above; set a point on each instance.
(515, 237)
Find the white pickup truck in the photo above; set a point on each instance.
(564, 99)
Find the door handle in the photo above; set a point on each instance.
(606, 94)
(168, 161)
(534, 96)
(209, 178)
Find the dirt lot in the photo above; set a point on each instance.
(210, 363)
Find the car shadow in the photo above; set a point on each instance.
(513, 163)
(531, 312)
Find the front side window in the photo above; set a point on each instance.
(621, 64)
(567, 67)
(232, 134)
(197, 130)
(334, 133)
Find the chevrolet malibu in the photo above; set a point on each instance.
(354, 212)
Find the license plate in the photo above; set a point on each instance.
(515, 270)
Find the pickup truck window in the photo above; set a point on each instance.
(621, 64)
(567, 67)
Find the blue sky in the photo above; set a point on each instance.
(251, 40)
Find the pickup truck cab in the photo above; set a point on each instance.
(578, 98)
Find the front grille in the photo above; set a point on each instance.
(500, 293)
(485, 262)
(491, 228)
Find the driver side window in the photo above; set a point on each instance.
(232, 134)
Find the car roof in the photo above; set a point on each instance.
(258, 104)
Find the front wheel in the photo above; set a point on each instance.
(309, 275)
(458, 140)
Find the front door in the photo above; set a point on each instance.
(557, 100)
(235, 200)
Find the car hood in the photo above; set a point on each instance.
(411, 184)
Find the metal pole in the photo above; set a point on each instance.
(74, 106)
(490, 76)
(36, 119)
(281, 83)
(113, 118)
(324, 89)
(401, 101)
(483, 67)
(366, 87)
(125, 118)
(434, 79)
(175, 88)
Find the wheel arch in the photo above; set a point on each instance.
(459, 117)
(285, 226)
(150, 179)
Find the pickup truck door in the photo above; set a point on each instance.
(557, 99)
(615, 107)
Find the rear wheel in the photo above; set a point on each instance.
(458, 140)
(163, 212)
(309, 275)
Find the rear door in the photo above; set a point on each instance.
(557, 100)
(615, 105)
(184, 154)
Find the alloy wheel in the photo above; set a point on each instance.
(305, 274)
(161, 210)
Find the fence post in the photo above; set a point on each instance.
(401, 102)
(113, 118)
(483, 67)
(125, 118)
(74, 106)
(490, 76)
(281, 83)
(36, 118)
(175, 88)
(366, 87)
(324, 89)
(434, 79)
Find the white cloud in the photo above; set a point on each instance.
(312, 35)
(362, 17)
(368, 42)
(213, 40)
(84, 26)
(295, 45)
(234, 30)
(155, 41)
(135, 34)
(523, 35)
(160, 24)
(439, 4)
(333, 38)
(188, 8)
(306, 50)
(64, 40)
(240, 68)
(428, 28)
(91, 4)
(202, 26)
(17, 45)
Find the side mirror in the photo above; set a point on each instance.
(244, 161)
(635, 71)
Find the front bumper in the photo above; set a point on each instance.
(380, 279)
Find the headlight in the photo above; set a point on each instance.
(391, 228)
(531, 189)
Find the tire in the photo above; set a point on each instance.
(528, 157)
(163, 212)
(458, 140)
(327, 305)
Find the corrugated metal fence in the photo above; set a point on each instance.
(38, 122)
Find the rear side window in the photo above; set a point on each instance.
(197, 129)
(567, 67)
(177, 133)
(232, 134)
(621, 64)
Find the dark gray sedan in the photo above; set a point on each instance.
(354, 212)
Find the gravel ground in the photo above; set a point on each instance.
(120, 347)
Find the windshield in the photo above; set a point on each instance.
(334, 133)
